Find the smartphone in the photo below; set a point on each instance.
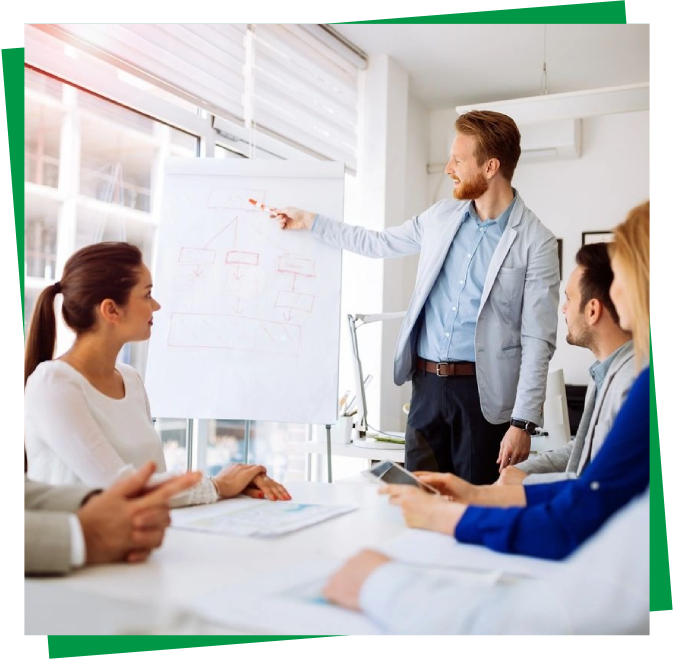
(390, 472)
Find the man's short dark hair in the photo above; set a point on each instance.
(597, 276)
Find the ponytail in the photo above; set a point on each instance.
(42, 337)
(42, 332)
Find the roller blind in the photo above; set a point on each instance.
(297, 84)
(304, 91)
(203, 61)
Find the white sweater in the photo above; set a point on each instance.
(77, 435)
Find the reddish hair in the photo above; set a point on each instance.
(497, 137)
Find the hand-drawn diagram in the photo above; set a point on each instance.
(293, 299)
(240, 289)
(248, 327)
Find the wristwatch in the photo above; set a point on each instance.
(524, 425)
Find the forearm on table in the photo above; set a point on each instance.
(496, 495)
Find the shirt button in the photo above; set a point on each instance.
(469, 255)
(461, 282)
(454, 309)
(594, 485)
(447, 334)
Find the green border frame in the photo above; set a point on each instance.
(594, 13)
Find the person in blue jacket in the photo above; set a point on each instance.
(552, 520)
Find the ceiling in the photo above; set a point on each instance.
(451, 65)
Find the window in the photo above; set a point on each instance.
(174, 434)
(269, 445)
(91, 171)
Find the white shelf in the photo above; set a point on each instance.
(43, 192)
(112, 209)
(350, 451)
(53, 103)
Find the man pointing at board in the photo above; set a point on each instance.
(481, 326)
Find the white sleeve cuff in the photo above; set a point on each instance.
(204, 492)
(378, 596)
(77, 542)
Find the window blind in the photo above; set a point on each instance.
(304, 90)
(204, 62)
(296, 84)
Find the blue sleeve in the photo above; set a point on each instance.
(543, 492)
(552, 525)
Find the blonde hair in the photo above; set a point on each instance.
(631, 249)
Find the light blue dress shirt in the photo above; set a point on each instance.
(598, 371)
(448, 331)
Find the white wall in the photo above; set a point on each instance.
(591, 193)
(403, 271)
(391, 186)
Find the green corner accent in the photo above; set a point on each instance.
(595, 12)
(659, 569)
(64, 646)
(13, 73)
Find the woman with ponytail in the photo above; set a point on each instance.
(87, 417)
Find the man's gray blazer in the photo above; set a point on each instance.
(517, 319)
(569, 461)
(47, 535)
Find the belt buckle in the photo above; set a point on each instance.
(439, 365)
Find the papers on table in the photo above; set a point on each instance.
(259, 518)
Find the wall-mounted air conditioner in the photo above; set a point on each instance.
(548, 141)
(541, 141)
(550, 124)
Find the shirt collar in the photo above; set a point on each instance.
(502, 219)
(598, 371)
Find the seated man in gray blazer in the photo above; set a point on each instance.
(592, 323)
(69, 526)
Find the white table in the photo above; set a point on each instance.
(140, 598)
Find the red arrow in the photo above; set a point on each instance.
(238, 308)
(237, 275)
(198, 271)
(288, 316)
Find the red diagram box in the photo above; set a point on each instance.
(297, 265)
(196, 256)
(298, 301)
(242, 258)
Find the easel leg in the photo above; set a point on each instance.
(328, 453)
(246, 449)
